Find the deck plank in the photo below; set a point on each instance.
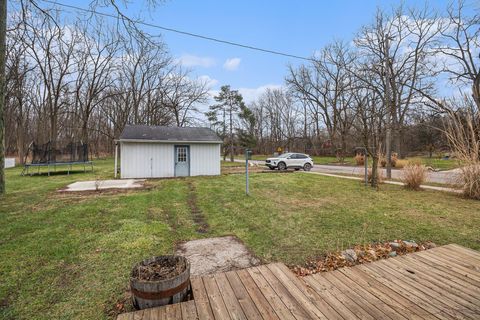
(231, 302)
(204, 310)
(429, 279)
(241, 294)
(189, 310)
(451, 265)
(313, 296)
(219, 309)
(296, 293)
(173, 311)
(387, 296)
(369, 305)
(263, 306)
(407, 291)
(441, 298)
(280, 308)
(464, 260)
(444, 276)
(285, 295)
(349, 303)
(465, 250)
(330, 298)
(445, 272)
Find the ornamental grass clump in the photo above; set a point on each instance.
(414, 175)
(359, 159)
(470, 180)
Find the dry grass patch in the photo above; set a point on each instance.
(414, 176)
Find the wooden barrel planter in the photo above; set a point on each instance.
(159, 281)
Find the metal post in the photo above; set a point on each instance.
(246, 172)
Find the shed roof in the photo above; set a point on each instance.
(169, 134)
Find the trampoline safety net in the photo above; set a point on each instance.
(46, 153)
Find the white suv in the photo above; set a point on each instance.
(295, 161)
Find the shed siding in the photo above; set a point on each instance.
(156, 160)
(204, 159)
(146, 160)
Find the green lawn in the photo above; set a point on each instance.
(69, 256)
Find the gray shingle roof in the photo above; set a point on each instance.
(164, 133)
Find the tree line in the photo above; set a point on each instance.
(83, 79)
(407, 74)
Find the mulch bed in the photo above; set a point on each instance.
(362, 253)
(165, 267)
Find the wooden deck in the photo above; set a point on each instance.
(441, 283)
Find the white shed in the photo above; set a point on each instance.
(160, 151)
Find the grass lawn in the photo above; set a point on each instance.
(69, 256)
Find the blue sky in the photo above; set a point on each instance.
(296, 27)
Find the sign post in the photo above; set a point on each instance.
(248, 154)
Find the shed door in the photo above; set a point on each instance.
(182, 161)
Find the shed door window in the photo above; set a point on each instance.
(181, 154)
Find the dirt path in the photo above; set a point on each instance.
(197, 214)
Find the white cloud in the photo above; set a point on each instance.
(232, 64)
(190, 60)
(208, 80)
(251, 94)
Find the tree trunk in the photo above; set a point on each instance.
(3, 36)
(374, 174)
(343, 148)
(397, 141)
(231, 134)
(21, 142)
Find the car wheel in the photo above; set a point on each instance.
(307, 166)
(282, 166)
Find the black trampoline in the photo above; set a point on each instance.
(49, 157)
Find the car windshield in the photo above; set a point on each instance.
(284, 155)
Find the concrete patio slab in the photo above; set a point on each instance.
(212, 255)
(94, 185)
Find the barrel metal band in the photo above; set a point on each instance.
(160, 295)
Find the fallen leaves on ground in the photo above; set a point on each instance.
(365, 253)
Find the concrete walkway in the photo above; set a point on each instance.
(94, 185)
(444, 189)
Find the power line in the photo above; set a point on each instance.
(231, 43)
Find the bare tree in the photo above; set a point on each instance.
(399, 46)
(325, 88)
(181, 94)
(94, 66)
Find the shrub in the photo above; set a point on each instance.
(463, 135)
(360, 159)
(414, 175)
(470, 180)
(393, 160)
(400, 163)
